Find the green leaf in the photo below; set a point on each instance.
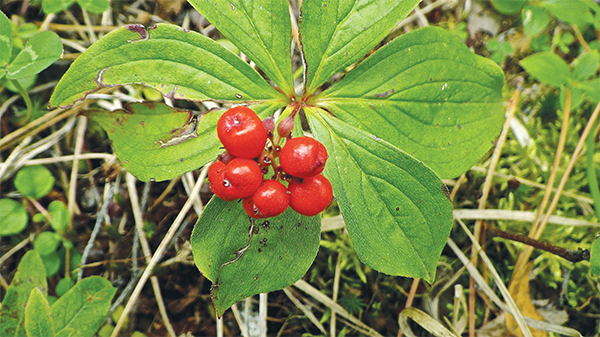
(64, 285)
(537, 65)
(94, 6)
(26, 83)
(281, 251)
(46, 242)
(592, 89)
(178, 63)
(427, 94)
(372, 179)
(38, 54)
(261, 29)
(535, 20)
(587, 65)
(82, 309)
(59, 214)
(157, 142)
(336, 34)
(13, 217)
(508, 7)
(38, 322)
(51, 263)
(572, 11)
(30, 274)
(576, 96)
(595, 257)
(5, 40)
(34, 181)
(55, 6)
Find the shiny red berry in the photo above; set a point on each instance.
(303, 157)
(269, 200)
(242, 132)
(310, 196)
(238, 179)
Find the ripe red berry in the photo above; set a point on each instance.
(269, 200)
(238, 179)
(303, 157)
(242, 132)
(311, 196)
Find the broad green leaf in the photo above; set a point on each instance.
(281, 251)
(51, 263)
(571, 11)
(30, 274)
(427, 94)
(535, 20)
(59, 214)
(34, 181)
(38, 54)
(46, 242)
(537, 65)
(261, 29)
(81, 311)
(38, 322)
(55, 6)
(338, 33)
(94, 6)
(595, 257)
(592, 89)
(63, 286)
(178, 63)
(5, 40)
(13, 217)
(156, 142)
(587, 65)
(508, 7)
(396, 210)
(26, 83)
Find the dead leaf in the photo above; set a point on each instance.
(519, 290)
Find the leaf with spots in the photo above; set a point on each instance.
(396, 209)
(427, 94)
(83, 309)
(280, 251)
(180, 64)
(38, 54)
(30, 274)
(156, 142)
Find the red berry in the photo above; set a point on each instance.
(215, 178)
(242, 132)
(311, 196)
(269, 200)
(303, 157)
(238, 179)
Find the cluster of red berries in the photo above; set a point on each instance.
(239, 171)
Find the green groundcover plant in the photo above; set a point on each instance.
(420, 108)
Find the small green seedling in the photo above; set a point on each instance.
(419, 108)
(581, 80)
(25, 310)
(55, 6)
(499, 50)
(535, 15)
(43, 49)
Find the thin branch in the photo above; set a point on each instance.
(567, 254)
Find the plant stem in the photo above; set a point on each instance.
(26, 98)
(591, 172)
(565, 253)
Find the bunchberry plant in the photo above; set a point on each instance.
(420, 107)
